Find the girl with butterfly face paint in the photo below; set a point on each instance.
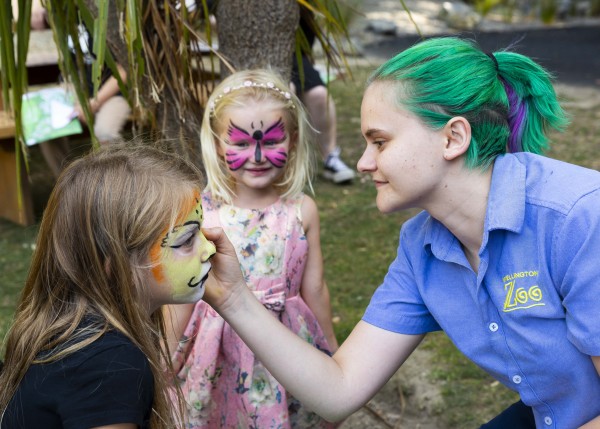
(257, 149)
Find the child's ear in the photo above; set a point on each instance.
(458, 137)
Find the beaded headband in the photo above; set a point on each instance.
(248, 84)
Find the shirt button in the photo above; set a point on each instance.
(493, 326)
(516, 379)
(548, 420)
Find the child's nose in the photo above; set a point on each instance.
(207, 248)
(258, 155)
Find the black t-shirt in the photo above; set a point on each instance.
(107, 382)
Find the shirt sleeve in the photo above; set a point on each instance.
(114, 385)
(576, 250)
(397, 304)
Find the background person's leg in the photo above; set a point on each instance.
(321, 110)
(111, 118)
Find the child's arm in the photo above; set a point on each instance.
(333, 387)
(314, 290)
(176, 318)
(109, 89)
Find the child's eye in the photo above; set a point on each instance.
(270, 142)
(379, 143)
(187, 243)
(241, 144)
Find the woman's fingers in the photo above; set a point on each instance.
(226, 276)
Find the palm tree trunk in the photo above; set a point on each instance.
(258, 33)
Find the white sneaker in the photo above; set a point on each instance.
(336, 170)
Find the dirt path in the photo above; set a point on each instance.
(408, 401)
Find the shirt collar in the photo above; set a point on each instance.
(506, 201)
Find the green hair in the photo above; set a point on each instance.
(507, 98)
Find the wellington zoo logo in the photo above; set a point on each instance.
(519, 297)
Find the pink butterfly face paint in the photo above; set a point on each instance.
(245, 145)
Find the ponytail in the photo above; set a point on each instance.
(533, 106)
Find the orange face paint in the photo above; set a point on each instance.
(180, 256)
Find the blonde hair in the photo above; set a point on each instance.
(91, 263)
(236, 90)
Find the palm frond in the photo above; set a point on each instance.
(65, 19)
(327, 20)
(156, 41)
(407, 10)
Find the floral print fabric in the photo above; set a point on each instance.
(223, 383)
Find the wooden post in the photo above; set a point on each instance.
(9, 191)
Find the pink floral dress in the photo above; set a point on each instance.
(224, 385)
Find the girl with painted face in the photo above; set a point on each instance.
(120, 237)
(258, 153)
(503, 257)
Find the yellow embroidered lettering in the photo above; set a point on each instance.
(519, 275)
(521, 298)
(507, 301)
(535, 293)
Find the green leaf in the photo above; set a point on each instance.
(99, 44)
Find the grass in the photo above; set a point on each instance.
(358, 243)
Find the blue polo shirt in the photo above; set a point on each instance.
(531, 316)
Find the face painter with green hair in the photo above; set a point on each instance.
(502, 258)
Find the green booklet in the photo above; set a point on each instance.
(47, 114)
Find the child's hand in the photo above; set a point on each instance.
(225, 281)
(78, 110)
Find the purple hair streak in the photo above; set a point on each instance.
(517, 115)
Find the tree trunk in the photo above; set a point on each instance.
(258, 33)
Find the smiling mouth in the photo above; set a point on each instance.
(201, 281)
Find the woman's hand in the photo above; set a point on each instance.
(225, 283)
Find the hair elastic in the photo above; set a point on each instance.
(248, 84)
(491, 55)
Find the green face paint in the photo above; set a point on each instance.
(182, 259)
